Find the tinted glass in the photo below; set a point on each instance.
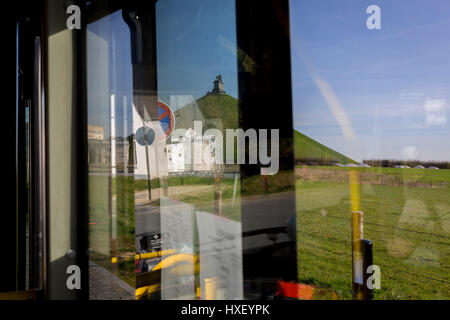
(371, 92)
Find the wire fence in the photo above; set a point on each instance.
(388, 226)
(342, 176)
(333, 256)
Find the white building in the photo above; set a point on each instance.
(181, 153)
(176, 157)
(151, 159)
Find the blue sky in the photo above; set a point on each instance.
(365, 93)
(193, 47)
(391, 86)
(191, 52)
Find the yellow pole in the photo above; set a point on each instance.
(356, 232)
(354, 189)
(211, 288)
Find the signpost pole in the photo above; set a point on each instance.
(149, 184)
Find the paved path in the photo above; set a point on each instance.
(141, 197)
(103, 285)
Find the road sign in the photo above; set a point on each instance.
(145, 136)
(166, 118)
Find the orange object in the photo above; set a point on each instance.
(295, 290)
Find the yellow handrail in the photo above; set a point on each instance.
(147, 255)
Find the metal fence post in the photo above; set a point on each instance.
(218, 202)
(362, 259)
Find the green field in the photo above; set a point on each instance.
(409, 228)
(406, 175)
(109, 199)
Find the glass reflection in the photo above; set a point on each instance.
(110, 159)
(197, 86)
(370, 113)
(167, 195)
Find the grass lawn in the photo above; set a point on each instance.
(407, 175)
(120, 198)
(409, 229)
(408, 226)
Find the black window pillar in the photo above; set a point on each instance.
(265, 102)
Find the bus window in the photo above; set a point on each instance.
(371, 101)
